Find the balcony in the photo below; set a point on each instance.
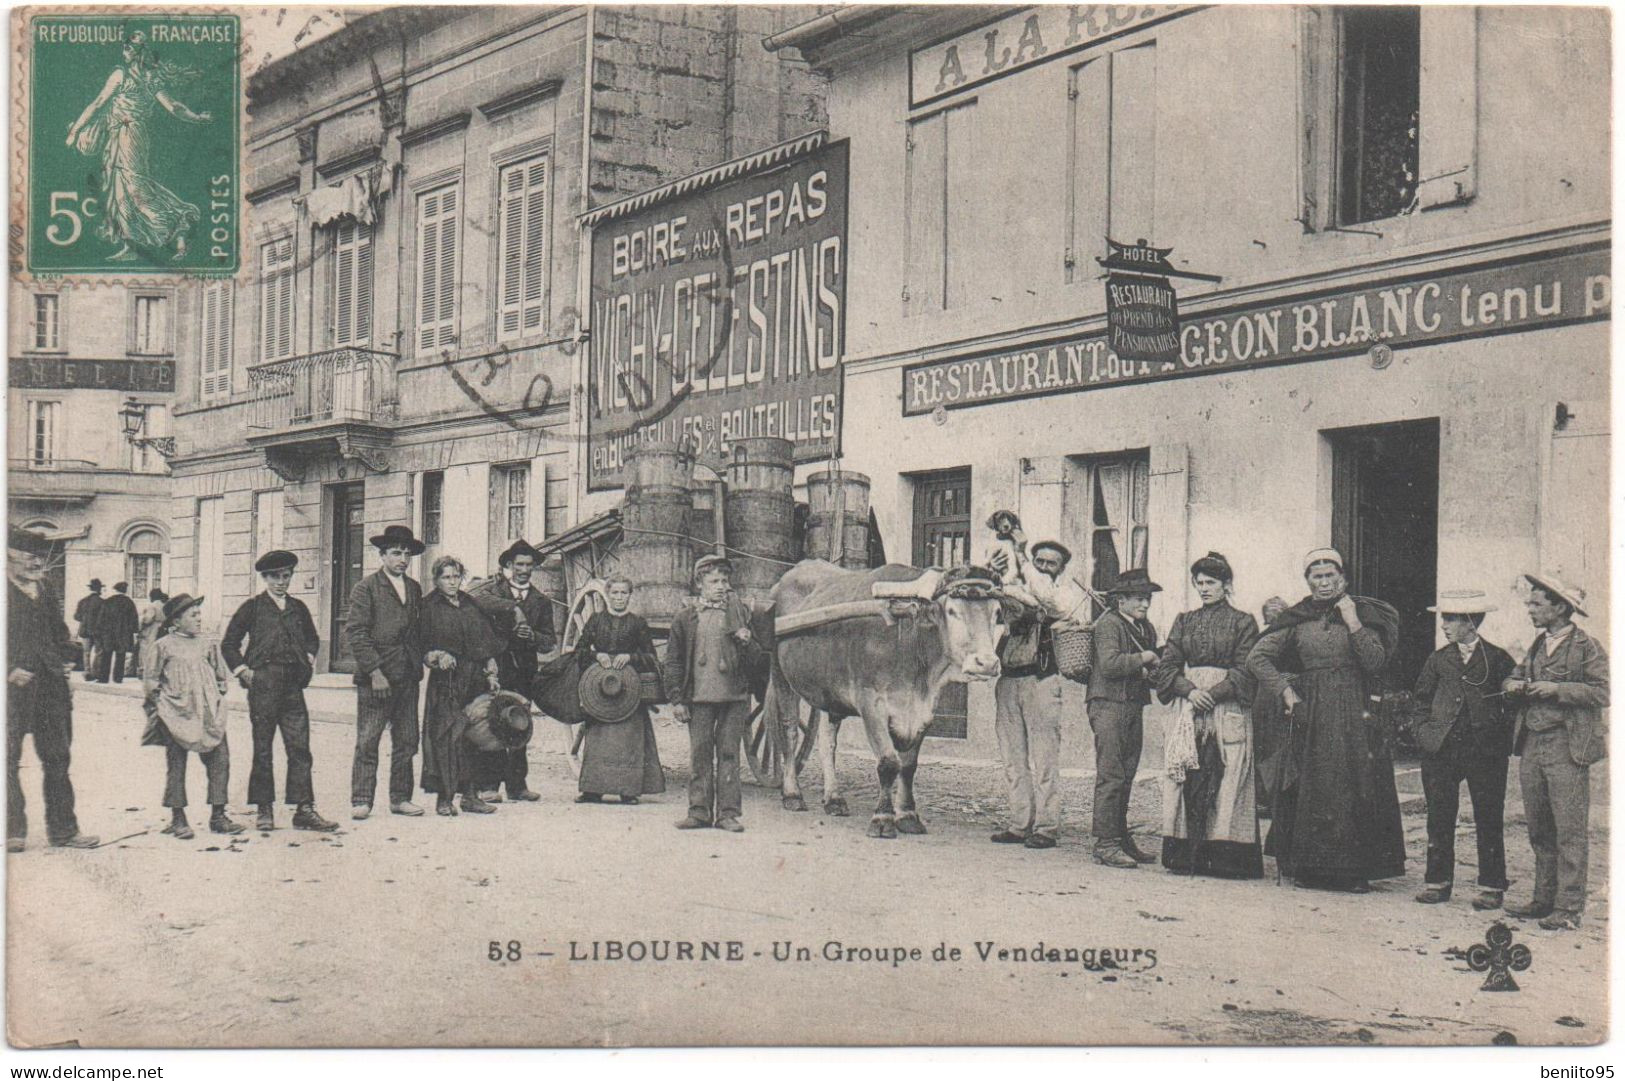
(342, 402)
(76, 481)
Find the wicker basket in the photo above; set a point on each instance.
(1074, 650)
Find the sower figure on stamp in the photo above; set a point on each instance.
(382, 631)
(1560, 689)
(522, 616)
(1027, 697)
(1463, 730)
(706, 661)
(84, 614)
(38, 701)
(270, 646)
(1125, 645)
(186, 711)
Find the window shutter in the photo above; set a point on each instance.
(523, 257)
(276, 299)
(1447, 132)
(216, 340)
(352, 284)
(447, 315)
(535, 247)
(437, 268)
(362, 332)
(536, 505)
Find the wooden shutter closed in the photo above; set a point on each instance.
(352, 284)
(276, 299)
(216, 339)
(437, 269)
(521, 293)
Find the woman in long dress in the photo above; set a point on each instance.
(1336, 822)
(136, 210)
(460, 650)
(1209, 802)
(619, 758)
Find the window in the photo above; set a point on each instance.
(1119, 497)
(144, 563)
(268, 506)
(522, 248)
(151, 325)
(352, 284)
(214, 338)
(437, 268)
(44, 433)
(513, 499)
(47, 322)
(276, 299)
(155, 425)
(1379, 112)
(938, 216)
(433, 492)
(942, 539)
(1113, 154)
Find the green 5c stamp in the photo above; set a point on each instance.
(133, 143)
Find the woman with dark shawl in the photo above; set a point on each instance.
(1336, 822)
(619, 759)
(1210, 819)
(460, 650)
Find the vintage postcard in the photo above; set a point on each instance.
(634, 526)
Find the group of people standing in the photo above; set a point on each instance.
(112, 632)
(1307, 685)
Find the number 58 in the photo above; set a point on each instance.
(61, 207)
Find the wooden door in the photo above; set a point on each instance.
(349, 544)
(942, 538)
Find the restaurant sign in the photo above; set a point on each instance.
(1503, 297)
(59, 373)
(1028, 36)
(717, 314)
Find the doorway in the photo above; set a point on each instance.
(1385, 521)
(349, 542)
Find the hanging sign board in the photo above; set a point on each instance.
(1142, 318)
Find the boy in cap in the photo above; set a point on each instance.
(522, 616)
(270, 646)
(1561, 688)
(1464, 736)
(1125, 646)
(382, 631)
(706, 659)
(186, 711)
(38, 701)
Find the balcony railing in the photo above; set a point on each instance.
(336, 386)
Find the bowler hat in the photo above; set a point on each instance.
(1055, 546)
(1553, 583)
(276, 560)
(178, 604)
(610, 695)
(515, 550)
(1134, 582)
(96, 584)
(1462, 602)
(26, 540)
(397, 536)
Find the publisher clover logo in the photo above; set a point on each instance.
(1500, 957)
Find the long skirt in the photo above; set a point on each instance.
(447, 760)
(1337, 811)
(622, 759)
(1226, 809)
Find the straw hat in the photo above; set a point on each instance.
(610, 695)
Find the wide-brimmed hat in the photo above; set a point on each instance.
(515, 550)
(95, 583)
(1055, 546)
(610, 695)
(397, 536)
(179, 603)
(26, 540)
(1553, 583)
(1132, 582)
(276, 560)
(1462, 602)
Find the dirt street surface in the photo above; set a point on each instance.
(382, 934)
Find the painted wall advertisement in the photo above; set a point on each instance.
(719, 313)
(1501, 297)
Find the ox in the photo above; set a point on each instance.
(884, 659)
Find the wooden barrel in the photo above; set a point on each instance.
(759, 514)
(659, 574)
(655, 551)
(838, 518)
(658, 465)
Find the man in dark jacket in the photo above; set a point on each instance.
(523, 618)
(270, 646)
(707, 657)
(84, 615)
(382, 631)
(1463, 731)
(1125, 646)
(38, 701)
(116, 623)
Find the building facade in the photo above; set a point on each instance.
(1406, 350)
(407, 343)
(70, 470)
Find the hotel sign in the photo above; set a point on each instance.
(1029, 36)
(1503, 297)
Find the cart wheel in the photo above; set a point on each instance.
(587, 603)
(763, 747)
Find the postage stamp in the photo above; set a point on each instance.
(133, 143)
